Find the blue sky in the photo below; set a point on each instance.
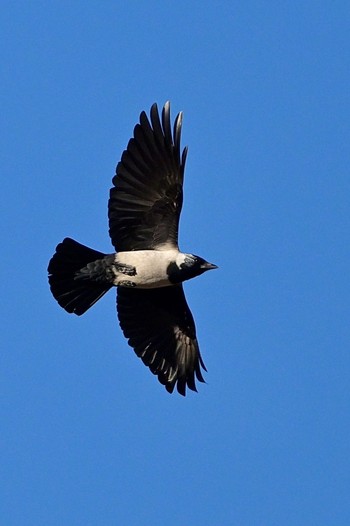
(88, 435)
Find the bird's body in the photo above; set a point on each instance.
(151, 268)
(144, 269)
(148, 268)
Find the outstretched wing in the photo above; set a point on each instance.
(145, 202)
(160, 327)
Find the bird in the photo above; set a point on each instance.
(147, 268)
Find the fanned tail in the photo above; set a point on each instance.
(77, 291)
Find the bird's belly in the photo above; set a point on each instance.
(144, 269)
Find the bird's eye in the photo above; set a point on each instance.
(188, 262)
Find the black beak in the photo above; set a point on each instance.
(208, 266)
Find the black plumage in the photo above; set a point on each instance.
(148, 269)
(160, 328)
(145, 204)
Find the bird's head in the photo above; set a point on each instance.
(188, 266)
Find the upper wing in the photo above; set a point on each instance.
(160, 327)
(145, 202)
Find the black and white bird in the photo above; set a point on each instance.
(148, 269)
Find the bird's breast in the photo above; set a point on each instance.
(143, 268)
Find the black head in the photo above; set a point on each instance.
(188, 266)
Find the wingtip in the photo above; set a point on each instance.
(154, 113)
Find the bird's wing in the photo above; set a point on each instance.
(160, 327)
(145, 202)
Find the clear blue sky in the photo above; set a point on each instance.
(88, 436)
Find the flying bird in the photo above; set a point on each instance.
(147, 268)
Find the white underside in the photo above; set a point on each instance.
(151, 267)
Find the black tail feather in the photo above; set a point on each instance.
(74, 294)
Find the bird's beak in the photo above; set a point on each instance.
(208, 266)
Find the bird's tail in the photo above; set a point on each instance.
(77, 276)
